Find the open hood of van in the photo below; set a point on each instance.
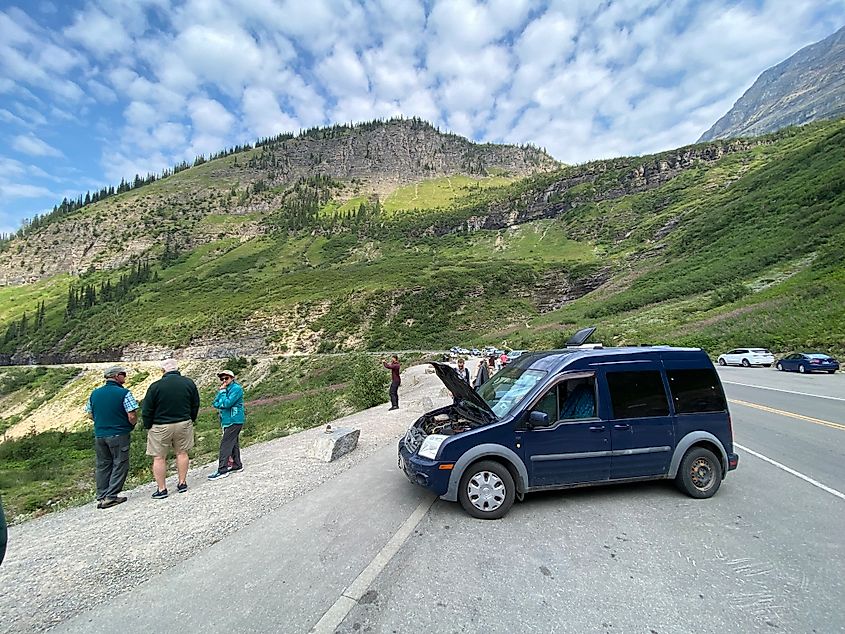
(460, 389)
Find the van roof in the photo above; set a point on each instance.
(554, 360)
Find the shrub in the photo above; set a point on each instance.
(368, 382)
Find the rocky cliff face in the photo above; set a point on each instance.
(808, 86)
(598, 181)
(372, 159)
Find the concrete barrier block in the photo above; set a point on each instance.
(334, 443)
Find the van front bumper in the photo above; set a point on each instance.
(424, 472)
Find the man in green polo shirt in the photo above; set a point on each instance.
(114, 412)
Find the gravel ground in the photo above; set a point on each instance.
(70, 561)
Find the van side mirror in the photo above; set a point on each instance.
(538, 419)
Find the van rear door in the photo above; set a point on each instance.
(641, 428)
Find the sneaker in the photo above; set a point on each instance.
(182, 487)
(160, 495)
(236, 469)
(217, 475)
(392, 408)
(110, 502)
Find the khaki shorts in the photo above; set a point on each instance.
(160, 438)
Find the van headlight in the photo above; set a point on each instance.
(430, 445)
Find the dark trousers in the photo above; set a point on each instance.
(112, 465)
(394, 394)
(230, 447)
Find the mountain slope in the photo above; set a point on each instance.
(806, 87)
(705, 245)
(244, 194)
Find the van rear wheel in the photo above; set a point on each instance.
(487, 490)
(700, 473)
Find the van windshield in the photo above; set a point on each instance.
(507, 388)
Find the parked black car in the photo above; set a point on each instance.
(804, 362)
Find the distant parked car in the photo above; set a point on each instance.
(747, 357)
(475, 352)
(808, 362)
(515, 354)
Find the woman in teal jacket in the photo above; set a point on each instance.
(229, 404)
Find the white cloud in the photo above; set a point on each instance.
(23, 190)
(210, 117)
(32, 145)
(343, 73)
(263, 115)
(99, 33)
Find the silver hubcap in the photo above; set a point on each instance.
(486, 491)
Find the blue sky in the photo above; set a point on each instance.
(98, 90)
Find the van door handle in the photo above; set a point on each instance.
(622, 426)
(597, 428)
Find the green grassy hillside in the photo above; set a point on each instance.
(711, 245)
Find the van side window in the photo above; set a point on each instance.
(696, 391)
(577, 399)
(569, 400)
(637, 394)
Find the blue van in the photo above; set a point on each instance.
(574, 417)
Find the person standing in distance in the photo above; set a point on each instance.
(229, 403)
(170, 409)
(114, 411)
(395, 381)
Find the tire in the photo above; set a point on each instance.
(802, 369)
(487, 490)
(768, 365)
(700, 473)
(779, 367)
(831, 371)
(745, 363)
(722, 362)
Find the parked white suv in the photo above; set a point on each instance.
(747, 357)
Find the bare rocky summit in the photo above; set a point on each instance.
(231, 196)
(806, 87)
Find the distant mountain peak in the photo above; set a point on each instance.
(806, 87)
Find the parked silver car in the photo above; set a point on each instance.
(747, 357)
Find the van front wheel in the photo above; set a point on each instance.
(487, 490)
(700, 473)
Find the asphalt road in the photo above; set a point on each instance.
(366, 553)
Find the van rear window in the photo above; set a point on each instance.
(696, 391)
(637, 394)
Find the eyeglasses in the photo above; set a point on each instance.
(121, 374)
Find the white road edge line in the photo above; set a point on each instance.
(775, 389)
(348, 599)
(815, 483)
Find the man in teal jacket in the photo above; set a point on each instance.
(230, 405)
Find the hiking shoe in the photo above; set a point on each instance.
(236, 469)
(159, 495)
(218, 475)
(110, 502)
(182, 487)
(390, 409)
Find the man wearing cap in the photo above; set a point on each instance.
(170, 409)
(114, 412)
(229, 404)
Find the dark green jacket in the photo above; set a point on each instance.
(171, 399)
(110, 418)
